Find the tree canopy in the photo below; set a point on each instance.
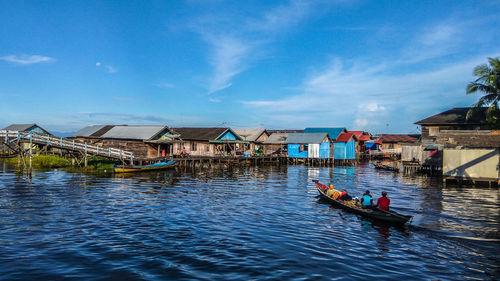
(487, 83)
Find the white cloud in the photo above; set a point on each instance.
(367, 95)
(108, 67)
(361, 123)
(228, 56)
(26, 59)
(235, 42)
(372, 107)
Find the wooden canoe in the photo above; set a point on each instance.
(375, 214)
(386, 167)
(152, 167)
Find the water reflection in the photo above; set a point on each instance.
(240, 223)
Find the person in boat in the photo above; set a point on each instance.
(332, 192)
(367, 200)
(344, 195)
(383, 202)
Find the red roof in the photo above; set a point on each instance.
(344, 137)
(397, 138)
(364, 137)
(357, 133)
(361, 135)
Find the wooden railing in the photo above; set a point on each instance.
(62, 143)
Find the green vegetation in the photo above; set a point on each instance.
(44, 161)
(52, 161)
(488, 83)
(101, 163)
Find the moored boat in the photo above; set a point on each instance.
(350, 206)
(386, 167)
(152, 167)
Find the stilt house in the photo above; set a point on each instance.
(143, 141)
(309, 145)
(345, 146)
(27, 128)
(276, 144)
(255, 138)
(198, 141)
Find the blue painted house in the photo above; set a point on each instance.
(309, 145)
(27, 128)
(345, 147)
(333, 133)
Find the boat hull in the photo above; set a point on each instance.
(378, 215)
(153, 167)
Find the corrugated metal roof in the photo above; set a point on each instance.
(133, 132)
(364, 137)
(200, 133)
(87, 131)
(24, 127)
(455, 116)
(249, 134)
(343, 137)
(277, 138)
(306, 138)
(333, 133)
(19, 127)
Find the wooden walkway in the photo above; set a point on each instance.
(10, 137)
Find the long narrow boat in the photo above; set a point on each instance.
(350, 206)
(152, 167)
(386, 167)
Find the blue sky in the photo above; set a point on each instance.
(378, 66)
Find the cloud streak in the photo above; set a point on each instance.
(233, 50)
(26, 59)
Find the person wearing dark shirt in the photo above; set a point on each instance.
(383, 202)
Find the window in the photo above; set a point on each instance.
(303, 147)
(193, 146)
(207, 148)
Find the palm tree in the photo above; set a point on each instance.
(487, 82)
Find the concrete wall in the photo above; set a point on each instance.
(471, 163)
(411, 152)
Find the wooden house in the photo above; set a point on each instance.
(255, 138)
(362, 137)
(345, 146)
(143, 141)
(199, 141)
(392, 143)
(27, 128)
(453, 119)
(276, 144)
(309, 145)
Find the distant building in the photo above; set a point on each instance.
(362, 138)
(309, 145)
(333, 133)
(345, 146)
(255, 138)
(392, 143)
(27, 128)
(199, 141)
(276, 144)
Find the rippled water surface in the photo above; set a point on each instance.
(260, 223)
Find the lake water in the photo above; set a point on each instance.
(248, 223)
